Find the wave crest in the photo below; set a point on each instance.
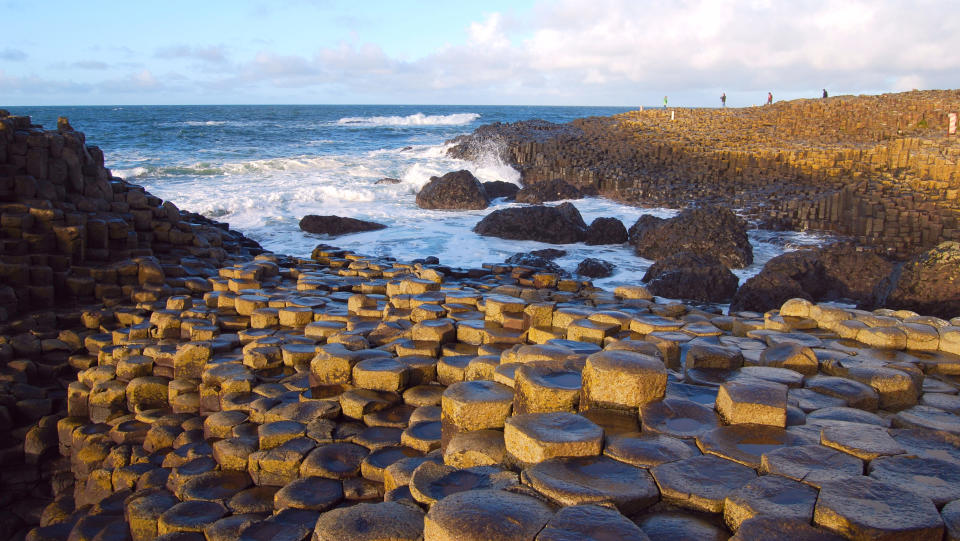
(416, 119)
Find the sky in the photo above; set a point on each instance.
(498, 52)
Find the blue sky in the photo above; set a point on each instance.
(561, 52)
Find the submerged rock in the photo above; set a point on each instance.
(595, 268)
(459, 190)
(336, 225)
(713, 231)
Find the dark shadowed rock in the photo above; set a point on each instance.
(715, 231)
(388, 180)
(836, 272)
(689, 276)
(595, 268)
(458, 190)
(571, 214)
(499, 188)
(531, 260)
(929, 283)
(606, 231)
(555, 225)
(553, 190)
(336, 225)
(549, 253)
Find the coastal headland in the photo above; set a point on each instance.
(878, 169)
(161, 377)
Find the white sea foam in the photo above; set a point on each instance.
(204, 122)
(416, 119)
(266, 199)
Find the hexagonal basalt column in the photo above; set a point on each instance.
(474, 405)
(753, 401)
(623, 379)
(535, 437)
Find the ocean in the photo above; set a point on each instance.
(261, 168)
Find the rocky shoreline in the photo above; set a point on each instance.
(880, 170)
(164, 378)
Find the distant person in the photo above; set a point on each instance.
(723, 99)
(824, 93)
(769, 98)
(664, 102)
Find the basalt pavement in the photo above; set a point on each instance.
(345, 397)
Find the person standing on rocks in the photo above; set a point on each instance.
(664, 102)
(824, 93)
(723, 99)
(769, 98)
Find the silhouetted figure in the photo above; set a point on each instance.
(824, 93)
(769, 98)
(723, 99)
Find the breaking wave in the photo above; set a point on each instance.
(417, 119)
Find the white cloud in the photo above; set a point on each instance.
(609, 52)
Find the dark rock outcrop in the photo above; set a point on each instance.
(499, 188)
(535, 261)
(595, 268)
(556, 225)
(606, 231)
(714, 231)
(549, 253)
(554, 190)
(836, 272)
(458, 190)
(690, 276)
(336, 225)
(388, 180)
(928, 284)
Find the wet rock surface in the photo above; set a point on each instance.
(458, 190)
(336, 225)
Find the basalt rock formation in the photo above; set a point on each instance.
(555, 225)
(841, 272)
(336, 225)
(708, 231)
(689, 276)
(929, 283)
(605, 230)
(74, 240)
(347, 396)
(878, 169)
(458, 190)
(207, 393)
(499, 188)
(555, 190)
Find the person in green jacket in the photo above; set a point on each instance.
(664, 102)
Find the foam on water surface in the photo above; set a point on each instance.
(262, 168)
